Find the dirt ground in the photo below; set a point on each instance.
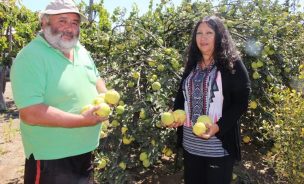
(252, 170)
(11, 150)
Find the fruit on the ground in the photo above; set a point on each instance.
(204, 119)
(156, 86)
(104, 110)
(199, 128)
(120, 109)
(122, 165)
(167, 118)
(143, 156)
(246, 139)
(179, 116)
(112, 97)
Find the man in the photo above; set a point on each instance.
(53, 77)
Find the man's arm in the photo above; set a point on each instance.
(101, 85)
(43, 115)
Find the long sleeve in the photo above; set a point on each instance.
(179, 99)
(179, 104)
(237, 102)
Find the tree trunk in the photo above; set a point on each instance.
(2, 88)
(90, 11)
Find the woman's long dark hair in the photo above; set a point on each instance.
(225, 52)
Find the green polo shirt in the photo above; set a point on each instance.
(42, 74)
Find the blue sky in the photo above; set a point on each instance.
(110, 5)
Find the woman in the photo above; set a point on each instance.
(215, 83)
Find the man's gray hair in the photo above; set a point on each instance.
(44, 16)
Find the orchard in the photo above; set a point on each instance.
(141, 56)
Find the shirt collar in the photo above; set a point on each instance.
(199, 68)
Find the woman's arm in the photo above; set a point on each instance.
(239, 95)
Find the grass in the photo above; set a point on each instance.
(9, 132)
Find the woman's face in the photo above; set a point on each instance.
(205, 39)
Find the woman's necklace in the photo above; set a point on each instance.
(204, 65)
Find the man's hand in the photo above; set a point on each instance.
(91, 117)
(44, 115)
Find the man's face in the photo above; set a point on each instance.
(62, 31)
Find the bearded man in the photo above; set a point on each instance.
(52, 78)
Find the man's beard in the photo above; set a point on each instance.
(54, 39)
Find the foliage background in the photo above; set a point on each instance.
(134, 51)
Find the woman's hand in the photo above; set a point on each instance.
(212, 129)
(175, 125)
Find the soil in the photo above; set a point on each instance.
(251, 170)
(11, 149)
